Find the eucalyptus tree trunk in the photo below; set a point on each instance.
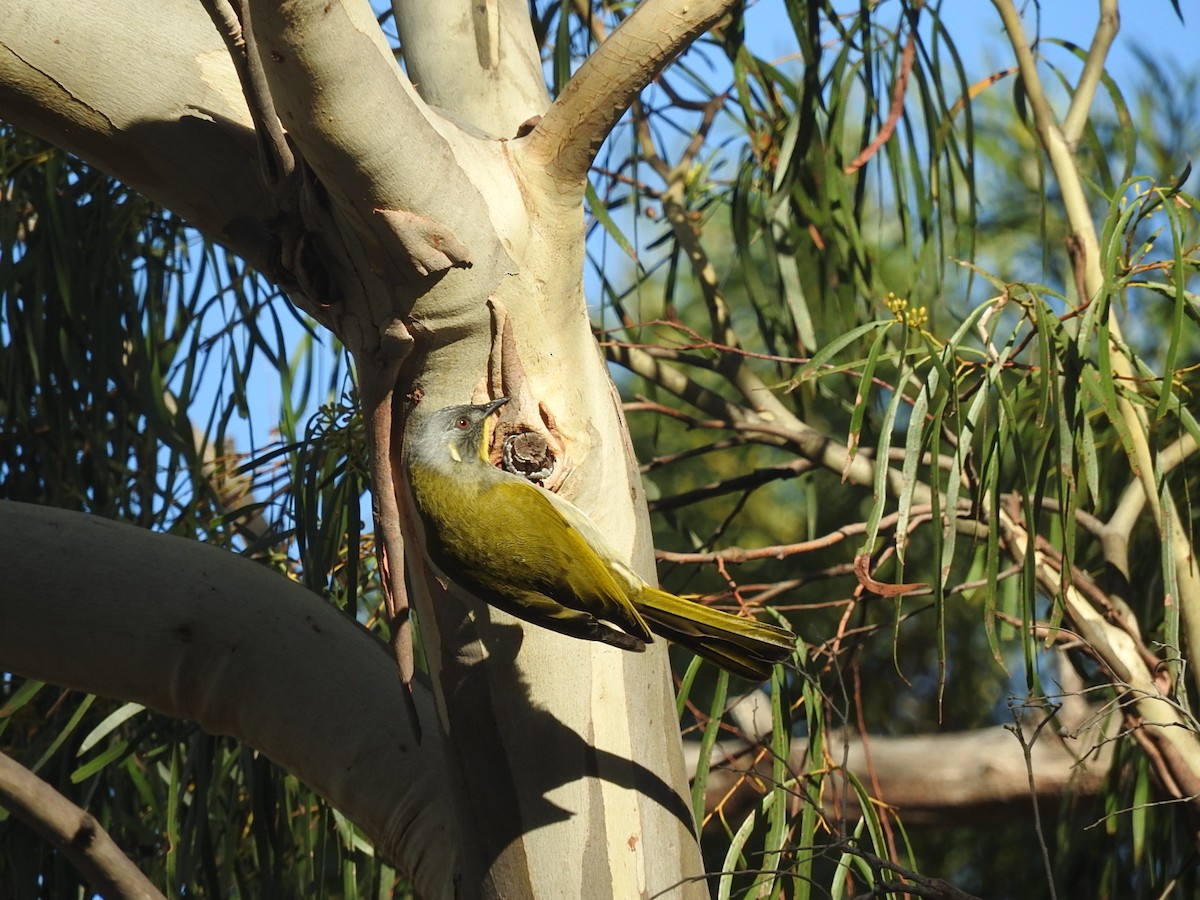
(434, 223)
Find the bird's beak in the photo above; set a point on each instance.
(488, 409)
(494, 405)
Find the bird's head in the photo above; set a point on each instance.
(451, 435)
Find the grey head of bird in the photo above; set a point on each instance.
(450, 436)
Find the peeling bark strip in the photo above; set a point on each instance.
(428, 246)
(862, 571)
(377, 387)
(390, 542)
(233, 21)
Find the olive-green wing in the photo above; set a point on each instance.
(536, 558)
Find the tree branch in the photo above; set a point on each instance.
(978, 770)
(476, 60)
(1060, 151)
(169, 120)
(1093, 71)
(73, 832)
(1127, 661)
(361, 127)
(565, 141)
(732, 365)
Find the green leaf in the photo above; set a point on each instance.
(111, 723)
(707, 741)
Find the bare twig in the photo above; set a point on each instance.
(740, 555)
(1093, 71)
(908, 54)
(1027, 752)
(914, 884)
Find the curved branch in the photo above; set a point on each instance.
(198, 633)
(73, 832)
(565, 141)
(169, 120)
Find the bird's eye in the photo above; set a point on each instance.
(462, 422)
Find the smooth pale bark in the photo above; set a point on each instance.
(145, 90)
(199, 633)
(477, 61)
(563, 757)
(933, 779)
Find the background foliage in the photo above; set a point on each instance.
(859, 244)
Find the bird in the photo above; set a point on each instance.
(537, 556)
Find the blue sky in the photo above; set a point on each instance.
(975, 26)
(1150, 23)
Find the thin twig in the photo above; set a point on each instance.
(1027, 752)
(757, 478)
(897, 108)
(782, 551)
(1093, 71)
